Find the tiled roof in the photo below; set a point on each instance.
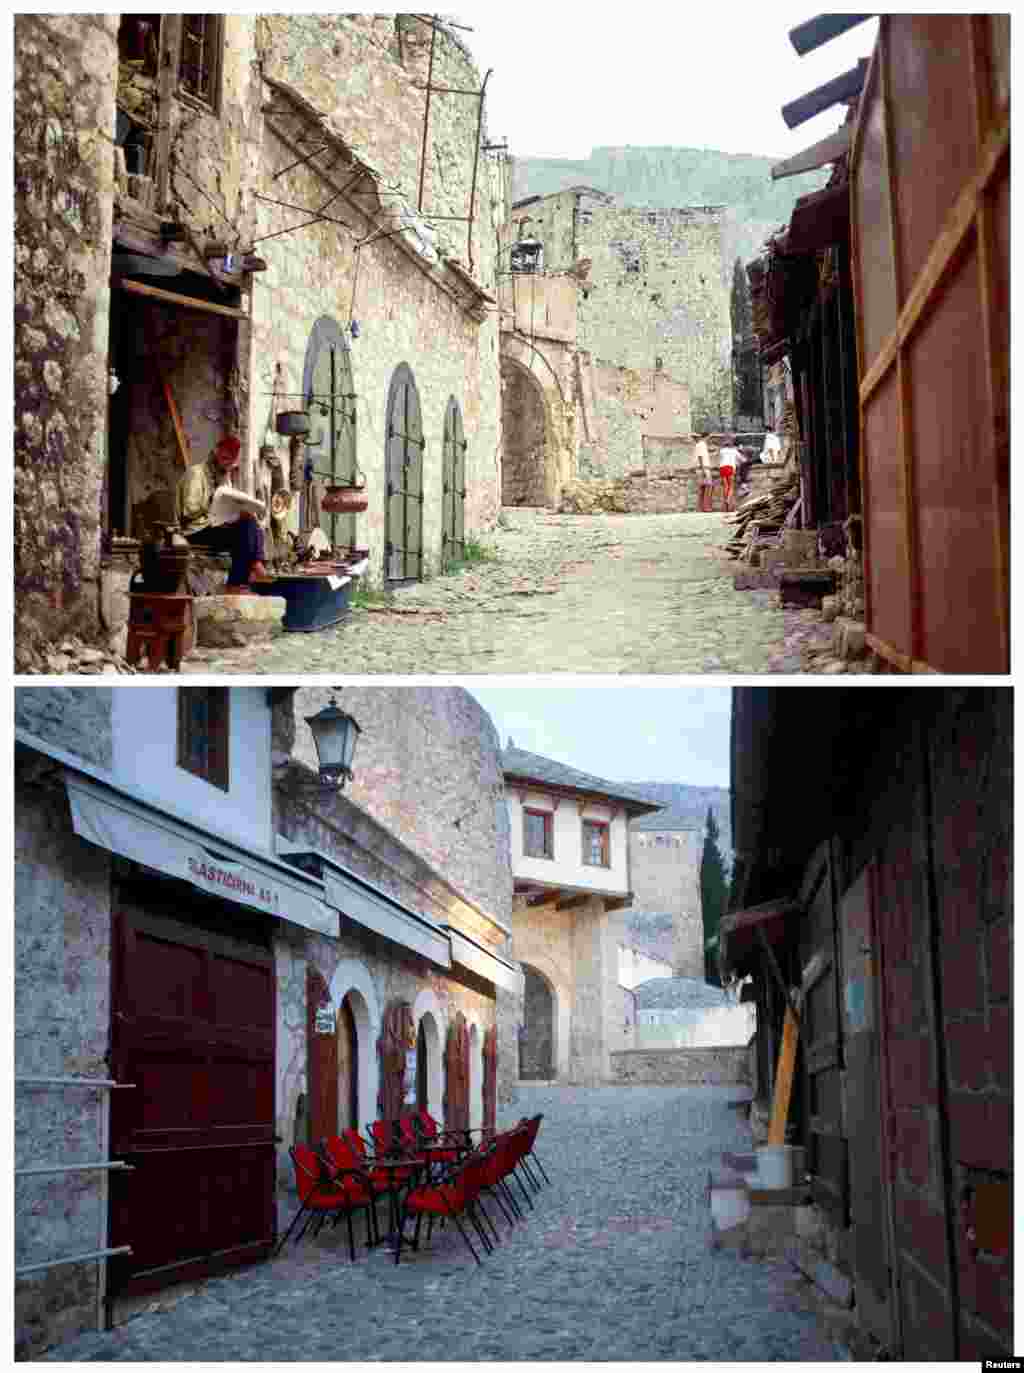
(516, 762)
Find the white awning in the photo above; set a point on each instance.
(104, 816)
(373, 908)
(479, 960)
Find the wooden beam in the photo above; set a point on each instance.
(784, 1080)
(137, 288)
(817, 155)
(812, 33)
(846, 86)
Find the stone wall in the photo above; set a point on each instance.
(630, 417)
(427, 773)
(64, 75)
(404, 299)
(76, 719)
(428, 766)
(719, 1067)
(62, 936)
(647, 493)
(655, 291)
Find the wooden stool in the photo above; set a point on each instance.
(162, 626)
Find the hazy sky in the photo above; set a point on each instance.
(625, 734)
(570, 77)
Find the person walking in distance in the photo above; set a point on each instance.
(728, 458)
(704, 468)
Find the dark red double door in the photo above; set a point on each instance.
(193, 1028)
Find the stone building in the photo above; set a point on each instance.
(664, 856)
(269, 232)
(645, 358)
(572, 876)
(197, 919)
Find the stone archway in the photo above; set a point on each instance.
(524, 427)
(538, 424)
(538, 1041)
(352, 984)
(476, 1077)
(429, 1018)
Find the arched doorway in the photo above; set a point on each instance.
(476, 1079)
(525, 479)
(403, 506)
(453, 486)
(329, 397)
(429, 1072)
(537, 1041)
(348, 1068)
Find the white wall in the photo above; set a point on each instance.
(145, 754)
(696, 1028)
(636, 967)
(566, 867)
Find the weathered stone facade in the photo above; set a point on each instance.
(64, 78)
(573, 954)
(390, 285)
(652, 342)
(427, 799)
(436, 844)
(718, 1067)
(665, 872)
(62, 949)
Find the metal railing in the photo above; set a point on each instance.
(104, 1165)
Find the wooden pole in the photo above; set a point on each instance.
(784, 1080)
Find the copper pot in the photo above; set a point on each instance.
(344, 500)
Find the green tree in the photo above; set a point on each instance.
(713, 890)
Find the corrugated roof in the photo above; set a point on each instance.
(517, 762)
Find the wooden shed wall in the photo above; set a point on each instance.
(930, 205)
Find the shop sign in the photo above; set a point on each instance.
(232, 880)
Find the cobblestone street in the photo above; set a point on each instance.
(613, 1264)
(568, 593)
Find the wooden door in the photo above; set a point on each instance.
(827, 1151)
(348, 1069)
(456, 1099)
(193, 1027)
(490, 1083)
(397, 1038)
(321, 1058)
(331, 402)
(403, 519)
(869, 1201)
(453, 487)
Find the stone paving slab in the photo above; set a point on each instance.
(613, 1263)
(569, 593)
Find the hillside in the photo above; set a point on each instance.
(672, 178)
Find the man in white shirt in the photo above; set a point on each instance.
(704, 468)
(242, 537)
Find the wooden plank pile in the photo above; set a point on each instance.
(760, 518)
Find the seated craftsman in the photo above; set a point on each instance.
(242, 537)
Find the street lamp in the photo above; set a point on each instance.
(335, 735)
